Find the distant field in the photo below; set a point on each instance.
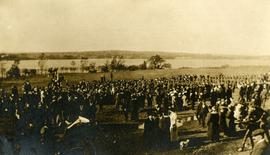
(147, 74)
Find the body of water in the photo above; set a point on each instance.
(176, 63)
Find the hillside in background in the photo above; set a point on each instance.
(125, 54)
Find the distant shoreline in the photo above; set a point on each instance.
(124, 54)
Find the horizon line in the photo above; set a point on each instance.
(124, 50)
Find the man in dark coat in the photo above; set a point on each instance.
(135, 107)
(149, 98)
(222, 120)
(193, 99)
(230, 119)
(164, 125)
(15, 93)
(149, 132)
(213, 125)
(201, 113)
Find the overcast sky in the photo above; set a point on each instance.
(198, 26)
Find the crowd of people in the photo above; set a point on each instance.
(218, 107)
(247, 113)
(61, 102)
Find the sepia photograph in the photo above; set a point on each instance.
(134, 77)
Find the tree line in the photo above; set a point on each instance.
(117, 63)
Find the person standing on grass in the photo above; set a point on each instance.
(173, 127)
(126, 106)
(135, 106)
(213, 125)
(201, 113)
(149, 131)
(230, 120)
(264, 95)
(214, 96)
(157, 131)
(184, 100)
(222, 120)
(179, 102)
(164, 126)
(15, 92)
(101, 95)
(149, 98)
(193, 97)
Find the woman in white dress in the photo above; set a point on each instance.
(173, 127)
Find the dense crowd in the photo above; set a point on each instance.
(218, 107)
(60, 103)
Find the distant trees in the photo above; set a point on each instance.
(84, 64)
(2, 68)
(166, 65)
(133, 67)
(53, 71)
(143, 66)
(29, 72)
(117, 63)
(73, 63)
(91, 68)
(42, 62)
(157, 62)
(14, 71)
(105, 67)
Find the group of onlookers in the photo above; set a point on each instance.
(36, 109)
(221, 109)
